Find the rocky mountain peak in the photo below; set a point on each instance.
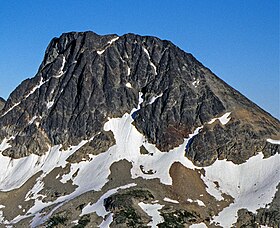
(132, 131)
(86, 78)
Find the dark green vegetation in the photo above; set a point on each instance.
(56, 220)
(124, 208)
(83, 221)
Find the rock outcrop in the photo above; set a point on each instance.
(2, 103)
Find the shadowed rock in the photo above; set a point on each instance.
(2, 103)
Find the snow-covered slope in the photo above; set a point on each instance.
(251, 184)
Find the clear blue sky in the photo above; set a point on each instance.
(237, 39)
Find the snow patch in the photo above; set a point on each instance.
(15, 105)
(75, 222)
(273, 141)
(40, 218)
(128, 143)
(113, 40)
(139, 102)
(223, 119)
(107, 221)
(100, 52)
(155, 98)
(15, 172)
(150, 61)
(60, 71)
(50, 104)
(252, 184)
(29, 94)
(2, 218)
(199, 202)
(34, 192)
(128, 85)
(212, 189)
(36, 87)
(170, 200)
(3, 146)
(32, 120)
(195, 83)
(153, 211)
(198, 225)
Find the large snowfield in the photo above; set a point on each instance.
(251, 184)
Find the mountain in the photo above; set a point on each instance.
(131, 131)
(2, 103)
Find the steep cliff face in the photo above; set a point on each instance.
(2, 103)
(141, 100)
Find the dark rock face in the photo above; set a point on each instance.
(86, 78)
(101, 143)
(237, 142)
(2, 103)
